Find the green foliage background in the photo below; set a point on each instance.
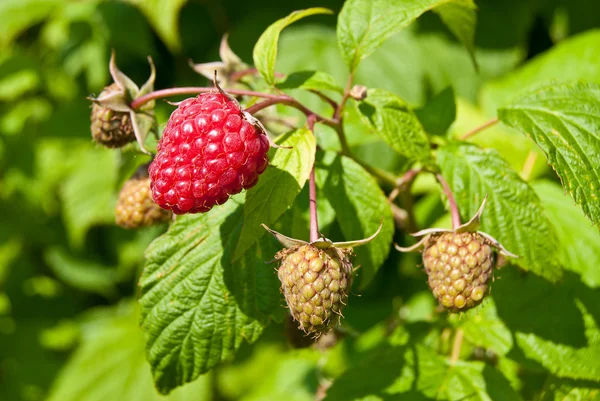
(68, 277)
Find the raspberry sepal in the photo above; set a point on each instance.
(316, 278)
(459, 263)
(113, 102)
(230, 64)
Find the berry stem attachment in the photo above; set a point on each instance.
(456, 345)
(193, 90)
(312, 191)
(290, 101)
(451, 200)
(314, 220)
(480, 128)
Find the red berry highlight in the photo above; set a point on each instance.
(207, 153)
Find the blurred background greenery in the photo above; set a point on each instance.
(67, 274)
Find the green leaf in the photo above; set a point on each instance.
(18, 84)
(110, 364)
(359, 205)
(396, 124)
(18, 114)
(438, 378)
(461, 18)
(18, 15)
(370, 376)
(562, 360)
(198, 306)
(445, 62)
(363, 25)
(310, 80)
(418, 373)
(88, 194)
(410, 64)
(539, 302)
(439, 113)
(483, 328)
(163, 15)
(513, 215)
(272, 374)
(556, 389)
(572, 59)
(277, 187)
(82, 274)
(579, 242)
(564, 120)
(314, 48)
(515, 148)
(265, 50)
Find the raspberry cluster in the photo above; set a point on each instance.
(208, 152)
(315, 283)
(111, 128)
(459, 267)
(135, 207)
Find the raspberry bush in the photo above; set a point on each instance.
(428, 172)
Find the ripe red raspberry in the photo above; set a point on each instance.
(208, 152)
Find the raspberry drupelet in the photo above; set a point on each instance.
(209, 151)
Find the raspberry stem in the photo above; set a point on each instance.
(528, 165)
(236, 76)
(403, 182)
(451, 200)
(272, 99)
(326, 99)
(480, 128)
(193, 90)
(312, 190)
(456, 345)
(290, 101)
(338, 112)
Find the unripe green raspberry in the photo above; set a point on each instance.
(111, 128)
(315, 283)
(135, 207)
(459, 267)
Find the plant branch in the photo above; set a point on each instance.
(290, 101)
(402, 182)
(163, 93)
(339, 130)
(401, 218)
(325, 98)
(338, 112)
(457, 345)
(451, 200)
(312, 191)
(480, 128)
(528, 165)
